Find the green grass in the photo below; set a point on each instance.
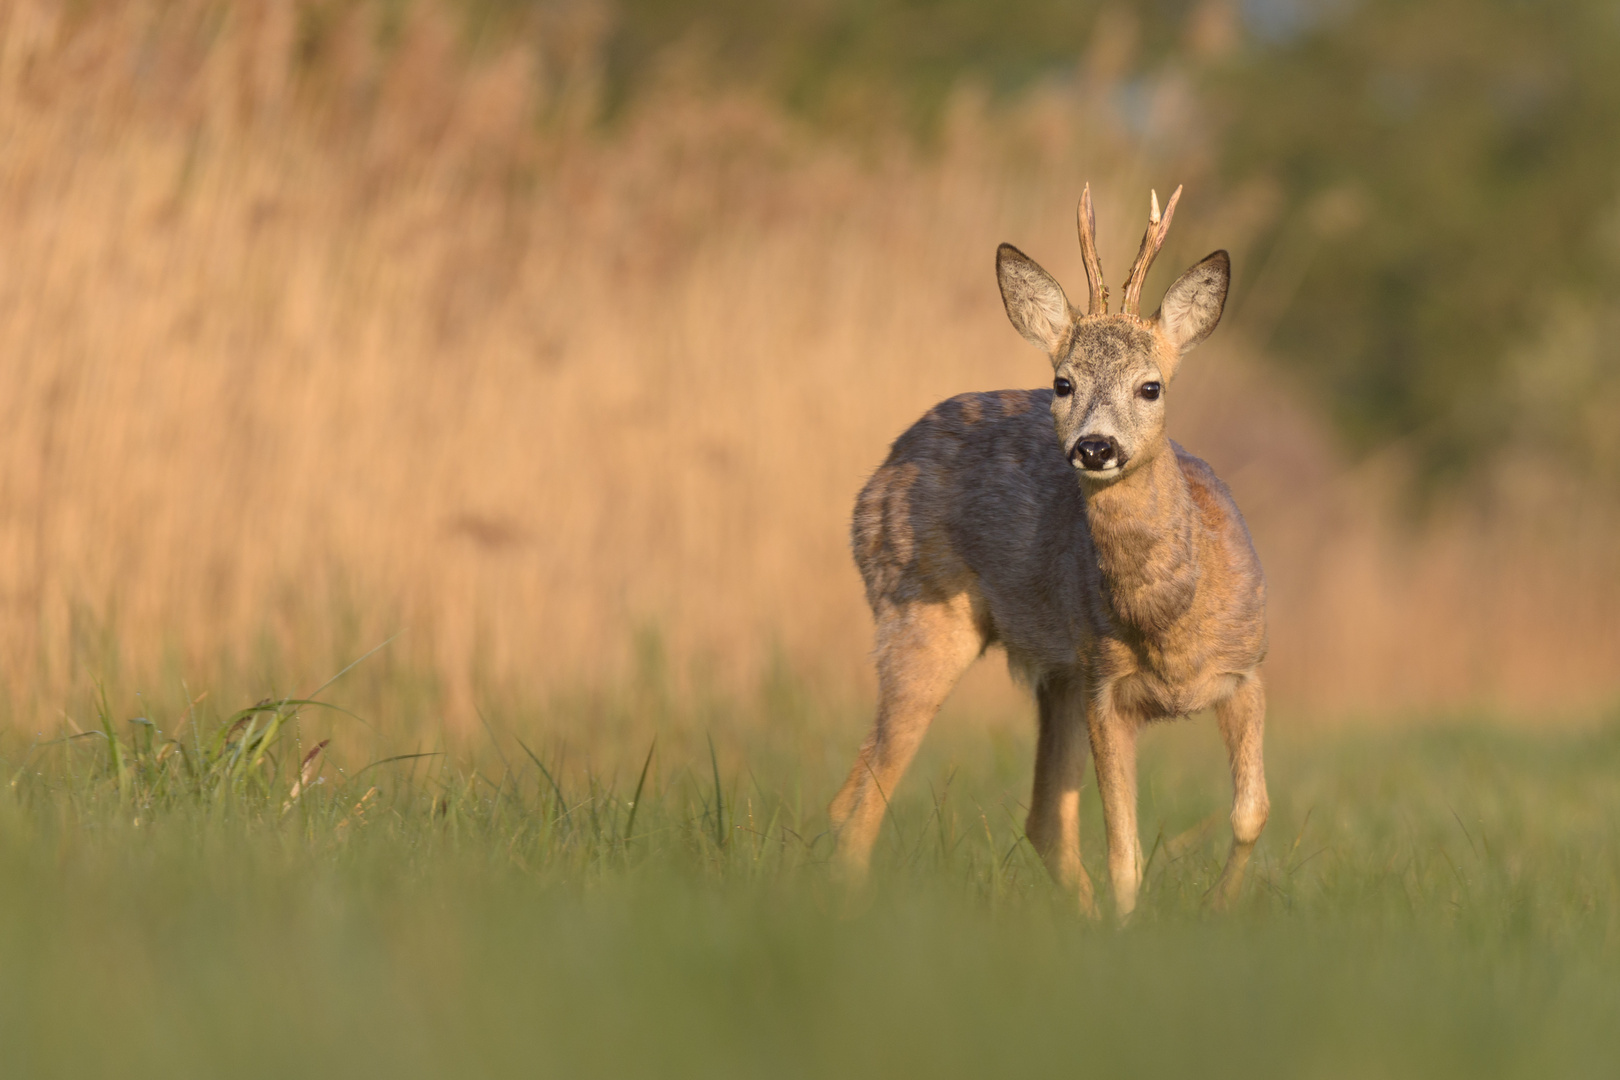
(1434, 902)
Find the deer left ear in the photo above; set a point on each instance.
(1193, 305)
(1034, 300)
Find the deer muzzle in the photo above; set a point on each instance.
(1096, 453)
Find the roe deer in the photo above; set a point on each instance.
(1111, 564)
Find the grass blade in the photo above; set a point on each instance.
(719, 799)
(561, 802)
(363, 658)
(398, 757)
(635, 800)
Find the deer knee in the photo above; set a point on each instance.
(1248, 820)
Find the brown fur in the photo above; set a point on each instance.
(1121, 598)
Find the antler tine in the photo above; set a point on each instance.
(1086, 220)
(1152, 240)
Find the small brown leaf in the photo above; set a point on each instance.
(306, 774)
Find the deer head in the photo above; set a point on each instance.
(1110, 372)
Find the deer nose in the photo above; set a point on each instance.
(1096, 451)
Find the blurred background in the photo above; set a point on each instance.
(553, 340)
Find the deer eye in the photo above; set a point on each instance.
(1150, 390)
(1062, 387)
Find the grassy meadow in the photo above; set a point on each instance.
(497, 435)
(181, 896)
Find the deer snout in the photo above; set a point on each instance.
(1096, 452)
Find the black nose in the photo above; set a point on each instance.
(1096, 451)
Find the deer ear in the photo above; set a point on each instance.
(1035, 301)
(1193, 305)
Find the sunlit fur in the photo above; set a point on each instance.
(1121, 597)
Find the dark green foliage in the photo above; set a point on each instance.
(1450, 171)
(834, 58)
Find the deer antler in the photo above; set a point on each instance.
(1087, 222)
(1152, 240)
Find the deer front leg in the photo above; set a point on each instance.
(923, 648)
(1113, 747)
(1053, 826)
(1242, 719)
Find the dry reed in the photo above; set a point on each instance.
(313, 348)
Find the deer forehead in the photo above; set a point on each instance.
(1112, 345)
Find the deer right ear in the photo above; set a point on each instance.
(1194, 303)
(1034, 300)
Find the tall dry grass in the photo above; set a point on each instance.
(319, 331)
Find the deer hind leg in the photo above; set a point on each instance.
(1053, 826)
(1242, 719)
(923, 648)
(1113, 746)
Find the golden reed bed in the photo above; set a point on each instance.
(310, 344)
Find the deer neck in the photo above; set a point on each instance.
(1142, 530)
